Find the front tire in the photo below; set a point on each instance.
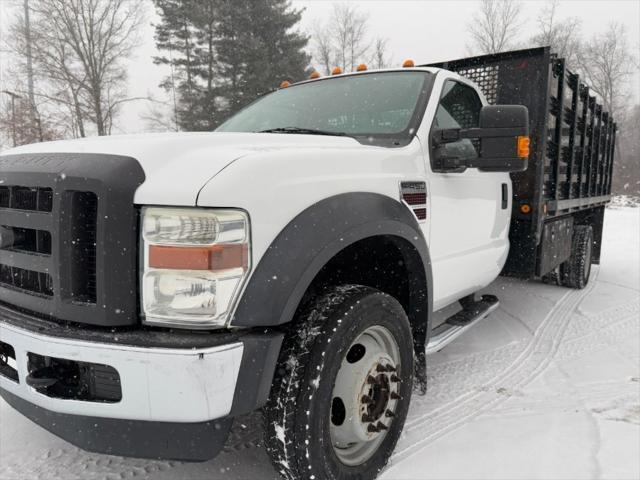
(342, 387)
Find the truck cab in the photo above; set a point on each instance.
(154, 287)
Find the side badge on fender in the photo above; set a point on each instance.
(414, 195)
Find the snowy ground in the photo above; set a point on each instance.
(547, 387)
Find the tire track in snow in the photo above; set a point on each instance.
(536, 356)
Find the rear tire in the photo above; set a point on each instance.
(315, 427)
(576, 270)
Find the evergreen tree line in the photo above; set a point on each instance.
(223, 54)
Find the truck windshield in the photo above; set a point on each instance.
(374, 104)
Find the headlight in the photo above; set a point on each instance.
(195, 262)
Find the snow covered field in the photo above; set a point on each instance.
(547, 387)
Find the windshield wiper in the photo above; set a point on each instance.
(304, 131)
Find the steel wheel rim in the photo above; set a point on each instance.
(365, 395)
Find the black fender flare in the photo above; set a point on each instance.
(313, 238)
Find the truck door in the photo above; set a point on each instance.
(469, 218)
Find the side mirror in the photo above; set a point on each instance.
(503, 135)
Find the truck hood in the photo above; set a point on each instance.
(178, 165)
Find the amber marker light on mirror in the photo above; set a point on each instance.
(523, 146)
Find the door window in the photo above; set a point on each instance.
(459, 107)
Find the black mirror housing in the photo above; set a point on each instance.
(502, 152)
(504, 141)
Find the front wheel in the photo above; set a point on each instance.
(342, 387)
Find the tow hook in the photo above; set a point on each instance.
(42, 378)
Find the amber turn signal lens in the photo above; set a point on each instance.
(285, 84)
(211, 258)
(523, 147)
(315, 74)
(408, 64)
(525, 208)
(336, 71)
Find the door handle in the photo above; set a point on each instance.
(505, 196)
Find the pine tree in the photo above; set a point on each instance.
(175, 35)
(225, 53)
(258, 48)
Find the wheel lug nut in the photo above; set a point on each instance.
(381, 426)
(395, 396)
(389, 414)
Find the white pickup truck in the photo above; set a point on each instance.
(154, 287)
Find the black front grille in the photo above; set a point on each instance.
(68, 236)
(26, 254)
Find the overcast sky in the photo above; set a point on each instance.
(424, 30)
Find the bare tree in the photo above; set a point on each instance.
(607, 64)
(161, 116)
(350, 26)
(17, 120)
(495, 26)
(81, 46)
(379, 58)
(323, 49)
(344, 41)
(562, 35)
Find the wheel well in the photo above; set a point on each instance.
(388, 263)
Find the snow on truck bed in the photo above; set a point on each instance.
(546, 387)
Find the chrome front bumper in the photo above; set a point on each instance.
(158, 384)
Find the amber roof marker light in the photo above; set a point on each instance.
(285, 84)
(315, 74)
(408, 63)
(336, 71)
(361, 68)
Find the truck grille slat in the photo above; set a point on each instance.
(38, 283)
(36, 199)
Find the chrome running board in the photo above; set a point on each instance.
(460, 322)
